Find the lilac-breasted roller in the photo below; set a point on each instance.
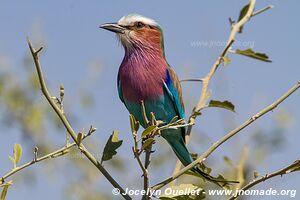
(145, 76)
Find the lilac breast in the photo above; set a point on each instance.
(142, 77)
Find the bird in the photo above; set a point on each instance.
(146, 77)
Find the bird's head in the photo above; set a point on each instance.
(136, 31)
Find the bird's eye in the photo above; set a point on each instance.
(140, 24)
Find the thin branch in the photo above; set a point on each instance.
(205, 81)
(136, 151)
(176, 169)
(57, 153)
(262, 10)
(192, 80)
(67, 125)
(54, 154)
(281, 172)
(143, 109)
(148, 152)
(137, 156)
(228, 136)
(175, 125)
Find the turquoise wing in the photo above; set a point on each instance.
(173, 88)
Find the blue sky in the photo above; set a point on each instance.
(80, 55)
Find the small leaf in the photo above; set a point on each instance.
(194, 155)
(243, 12)
(79, 138)
(226, 60)
(112, 144)
(135, 125)
(17, 153)
(4, 190)
(204, 168)
(208, 170)
(222, 104)
(132, 123)
(196, 114)
(256, 55)
(147, 142)
(148, 130)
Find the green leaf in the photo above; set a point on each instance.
(242, 14)
(256, 55)
(196, 113)
(17, 153)
(4, 190)
(222, 104)
(226, 60)
(194, 156)
(148, 130)
(112, 144)
(205, 168)
(147, 142)
(183, 192)
(79, 137)
(132, 122)
(135, 125)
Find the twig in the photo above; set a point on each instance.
(148, 152)
(280, 172)
(205, 81)
(137, 156)
(57, 153)
(54, 154)
(262, 10)
(143, 109)
(227, 136)
(67, 124)
(192, 79)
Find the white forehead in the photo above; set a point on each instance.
(132, 18)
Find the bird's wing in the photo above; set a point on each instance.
(173, 89)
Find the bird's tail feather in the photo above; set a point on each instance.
(184, 156)
(181, 151)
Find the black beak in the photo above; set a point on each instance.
(113, 27)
